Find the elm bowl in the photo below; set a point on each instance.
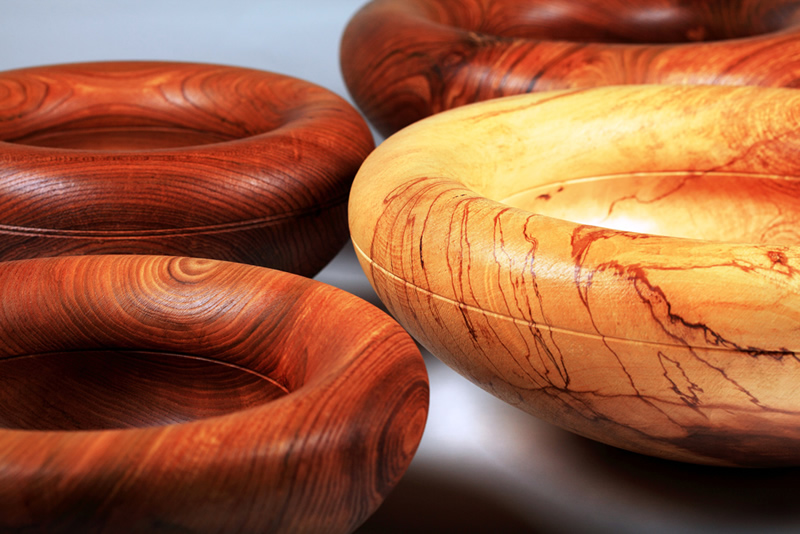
(167, 394)
(175, 159)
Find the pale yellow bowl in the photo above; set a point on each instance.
(622, 262)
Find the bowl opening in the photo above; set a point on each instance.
(645, 22)
(714, 206)
(116, 389)
(121, 138)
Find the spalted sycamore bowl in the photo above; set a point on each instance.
(623, 262)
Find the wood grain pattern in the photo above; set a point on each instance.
(178, 159)
(166, 394)
(403, 60)
(623, 262)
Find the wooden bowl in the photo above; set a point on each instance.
(623, 262)
(166, 394)
(403, 60)
(178, 159)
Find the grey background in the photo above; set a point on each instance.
(482, 466)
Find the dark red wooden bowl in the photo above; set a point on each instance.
(175, 158)
(403, 60)
(166, 394)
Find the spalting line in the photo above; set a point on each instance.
(556, 329)
(689, 397)
(652, 295)
(517, 108)
(540, 344)
(653, 403)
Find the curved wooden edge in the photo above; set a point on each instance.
(403, 61)
(667, 346)
(322, 457)
(300, 243)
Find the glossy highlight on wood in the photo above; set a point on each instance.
(623, 262)
(167, 394)
(177, 159)
(403, 60)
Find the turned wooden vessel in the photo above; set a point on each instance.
(403, 60)
(178, 159)
(166, 394)
(623, 262)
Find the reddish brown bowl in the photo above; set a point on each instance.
(175, 158)
(403, 60)
(166, 394)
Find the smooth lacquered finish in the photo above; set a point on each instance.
(403, 60)
(165, 394)
(175, 158)
(621, 261)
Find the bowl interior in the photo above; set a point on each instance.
(94, 390)
(713, 206)
(117, 136)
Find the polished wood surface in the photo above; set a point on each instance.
(175, 158)
(403, 60)
(621, 261)
(165, 394)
